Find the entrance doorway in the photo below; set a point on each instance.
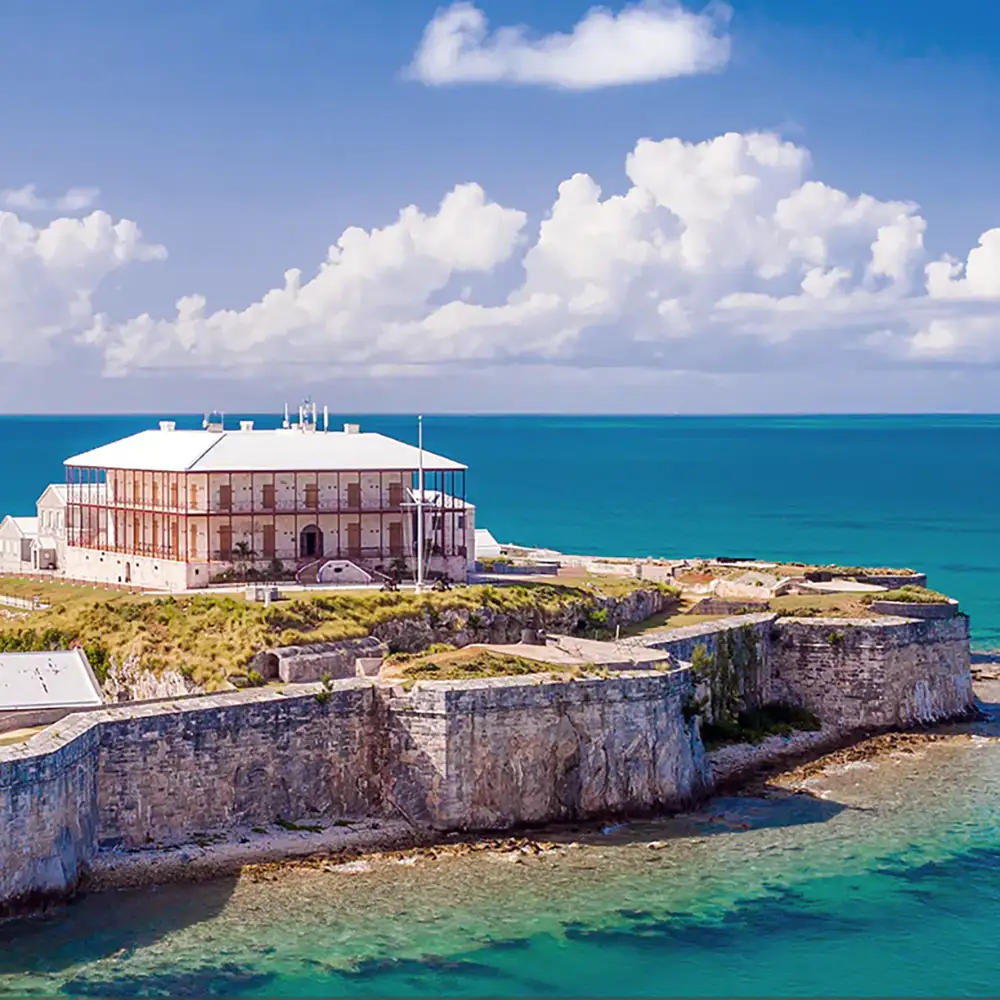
(311, 542)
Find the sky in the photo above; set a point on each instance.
(500, 206)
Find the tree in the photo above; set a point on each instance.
(243, 557)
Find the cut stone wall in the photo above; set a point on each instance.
(225, 761)
(336, 660)
(465, 626)
(873, 673)
(494, 754)
(48, 817)
(481, 754)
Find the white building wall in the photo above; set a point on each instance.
(136, 571)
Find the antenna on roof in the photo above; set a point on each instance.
(326, 418)
(286, 423)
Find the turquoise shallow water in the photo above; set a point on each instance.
(885, 882)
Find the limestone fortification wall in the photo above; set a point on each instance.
(221, 762)
(498, 753)
(48, 816)
(877, 672)
(454, 755)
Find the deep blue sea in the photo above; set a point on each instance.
(884, 882)
(920, 491)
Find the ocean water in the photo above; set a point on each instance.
(920, 491)
(884, 881)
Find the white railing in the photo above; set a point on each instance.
(25, 603)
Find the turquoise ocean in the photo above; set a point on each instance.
(884, 882)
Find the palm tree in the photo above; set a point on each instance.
(243, 556)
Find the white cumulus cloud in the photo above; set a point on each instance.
(719, 256)
(49, 274)
(26, 199)
(655, 40)
(360, 303)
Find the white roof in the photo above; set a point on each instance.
(88, 492)
(284, 450)
(60, 679)
(28, 526)
(486, 545)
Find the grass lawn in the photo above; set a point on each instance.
(55, 591)
(207, 636)
(18, 736)
(466, 664)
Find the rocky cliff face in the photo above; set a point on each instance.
(463, 627)
(130, 681)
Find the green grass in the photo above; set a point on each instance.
(18, 735)
(472, 664)
(207, 636)
(908, 595)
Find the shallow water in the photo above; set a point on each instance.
(884, 881)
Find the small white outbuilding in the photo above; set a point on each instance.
(39, 688)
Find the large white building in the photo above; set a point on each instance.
(179, 509)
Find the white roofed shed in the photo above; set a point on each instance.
(47, 680)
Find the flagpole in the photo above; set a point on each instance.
(420, 503)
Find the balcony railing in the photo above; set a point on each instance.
(323, 505)
(386, 552)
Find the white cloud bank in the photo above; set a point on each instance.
(645, 42)
(720, 256)
(26, 199)
(48, 275)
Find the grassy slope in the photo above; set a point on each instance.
(207, 636)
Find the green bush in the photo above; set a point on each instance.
(908, 595)
(756, 725)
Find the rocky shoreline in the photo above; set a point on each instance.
(778, 766)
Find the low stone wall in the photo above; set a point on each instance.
(893, 581)
(336, 660)
(909, 609)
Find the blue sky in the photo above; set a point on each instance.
(245, 137)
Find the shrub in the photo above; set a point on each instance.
(908, 595)
(756, 725)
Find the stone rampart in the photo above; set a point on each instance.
(451, 755)
(909, 609)
(860, 673)
(682, 642)
(48, 816)
(227, 761)
(498, 753)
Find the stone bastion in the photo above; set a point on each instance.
(445, 755)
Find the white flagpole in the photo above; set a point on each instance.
(420, 503)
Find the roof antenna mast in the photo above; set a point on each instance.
(420, 502)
